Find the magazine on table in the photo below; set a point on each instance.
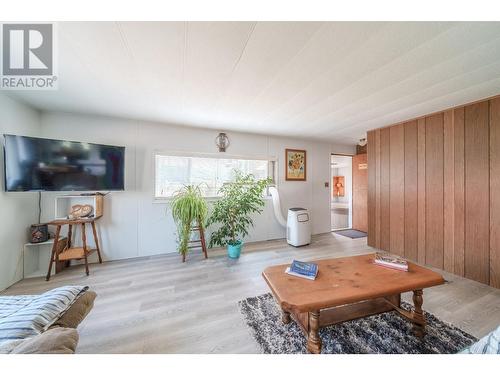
(391, 261)
(303, 269)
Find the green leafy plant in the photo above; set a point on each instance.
(239, 200)
(188, 208)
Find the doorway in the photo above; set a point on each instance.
(349, 195)
(360, 193)
(341, 192)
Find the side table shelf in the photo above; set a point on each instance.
(36, 256)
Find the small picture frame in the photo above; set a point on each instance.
(296, 165)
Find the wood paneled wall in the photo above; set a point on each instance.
(434, 190)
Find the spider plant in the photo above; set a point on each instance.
(188, 208)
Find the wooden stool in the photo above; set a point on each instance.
(69, 253)
(197, 244)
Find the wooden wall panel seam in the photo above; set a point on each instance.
(494, 193)
(421, 188)
(459, 191)
(371, 188)
(449, 194)
(434, 185)
(385, 189)
(378, 190)
(397, 183)
(477, 182)
(411, 191)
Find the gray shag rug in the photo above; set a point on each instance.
(386, 333)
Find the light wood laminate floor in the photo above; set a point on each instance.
(159, 305)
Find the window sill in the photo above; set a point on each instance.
(168, 200)
(208, 199)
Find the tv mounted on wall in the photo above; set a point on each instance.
(39, 164)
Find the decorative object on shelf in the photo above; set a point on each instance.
(79, 211)
(338, 186)
(64, 205)
(232, 213)
(39, 233)
(189, 210)
(295, 165)
(222, 142)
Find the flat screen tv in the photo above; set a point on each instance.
(39, 164)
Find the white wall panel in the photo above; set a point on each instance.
(17, 210)
(134, 225)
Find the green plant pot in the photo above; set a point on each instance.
(234, 250)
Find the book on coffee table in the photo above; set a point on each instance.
(303, 269)
(391, 261)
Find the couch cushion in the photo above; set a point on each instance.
(489, 344)
(77, 312)
(54, 341)
(27, 316)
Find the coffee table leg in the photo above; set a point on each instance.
(418, 314)
(285, 316)
(313, 339)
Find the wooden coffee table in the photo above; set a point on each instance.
(345, 289)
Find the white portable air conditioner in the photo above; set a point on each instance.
(298, 224)
(298, 227)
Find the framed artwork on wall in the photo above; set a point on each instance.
(338, 186)
(295, 165)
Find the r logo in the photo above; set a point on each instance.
(27, 50)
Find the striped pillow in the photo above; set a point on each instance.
(26, 316)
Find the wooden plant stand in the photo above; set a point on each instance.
(197, 244)
(69, 253)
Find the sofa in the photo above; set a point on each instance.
(61, 337)
(489, 344)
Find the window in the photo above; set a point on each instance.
(210, 172)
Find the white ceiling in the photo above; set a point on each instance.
(323, 80)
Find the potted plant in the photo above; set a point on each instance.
(188, 207)
(232, 212)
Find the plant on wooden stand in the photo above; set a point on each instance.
(239, 200)
(188, 208)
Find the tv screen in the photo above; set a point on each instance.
(34, 164)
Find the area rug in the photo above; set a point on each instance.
(351, 233)
(386, 333)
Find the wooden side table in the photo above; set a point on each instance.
(69, 253)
